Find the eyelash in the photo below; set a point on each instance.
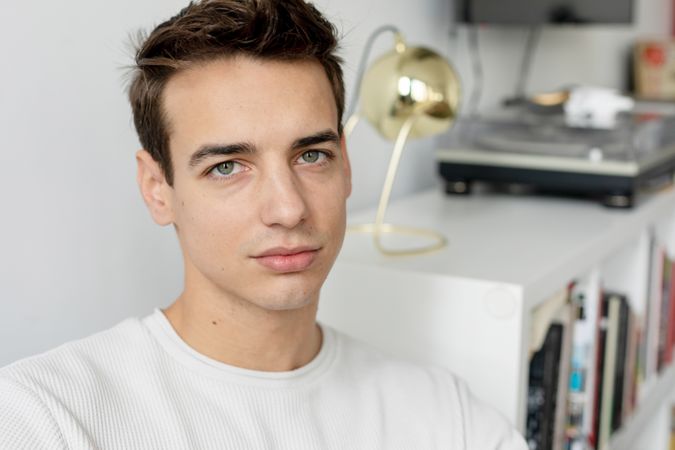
(327, 156)
(211, 172)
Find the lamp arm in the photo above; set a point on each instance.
(379, 228)
(391, 176)
(351, 124)
(364, 61)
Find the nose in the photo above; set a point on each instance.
(283, 200)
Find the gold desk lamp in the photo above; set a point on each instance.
(407, 92)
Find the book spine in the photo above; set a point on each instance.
(568, 314)
(620, 366)
(578, 391)
(643, 327)
(668, 357)
(654, 317)
(631, 368)
(609, 365)
(591, 314)
(599, 372)
(662, 349)
(543, 390)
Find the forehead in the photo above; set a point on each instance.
(244, 99)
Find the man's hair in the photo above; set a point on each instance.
(206, 30)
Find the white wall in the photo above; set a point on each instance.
(79, 251)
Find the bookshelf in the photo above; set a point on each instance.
(469, 306)
(647, 427)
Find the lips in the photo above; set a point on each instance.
(287, 260)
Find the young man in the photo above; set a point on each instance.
(238, 105)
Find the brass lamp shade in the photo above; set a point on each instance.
(408, 92)
(407, 82)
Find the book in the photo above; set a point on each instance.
(645, 364)
(587, 294)
(599, 366)
(631, 367)
(620, 373)
(543, 390)
(652, 326)
(670, 340)
(542, 317)
(663, 356)
(566, 317)
(578, 392)
(613, 308)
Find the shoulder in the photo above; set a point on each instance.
(25, 420)
(82, 363)
(41, 395)
(372, 365)
(484, 426)
(430, 391)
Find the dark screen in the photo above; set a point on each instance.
(533, 12)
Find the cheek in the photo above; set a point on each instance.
(209, 226)
(329, 205)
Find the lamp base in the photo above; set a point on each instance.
(438, 240)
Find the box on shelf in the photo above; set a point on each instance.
(654, 62)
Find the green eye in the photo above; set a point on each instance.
(311, 156)
(225, 168)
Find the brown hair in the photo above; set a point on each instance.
(212, 29)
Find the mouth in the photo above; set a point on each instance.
(287, 260)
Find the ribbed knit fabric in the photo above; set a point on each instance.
(138, 386)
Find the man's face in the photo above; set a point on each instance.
(261, 179)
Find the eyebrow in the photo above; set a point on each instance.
(246, 148)
(316, 138)
(209, 151)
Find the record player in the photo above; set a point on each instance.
(612, 165)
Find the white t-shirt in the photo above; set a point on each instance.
(139, 386)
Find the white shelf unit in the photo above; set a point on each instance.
(468, 307)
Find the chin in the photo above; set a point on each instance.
(289, 291)
(285, 304)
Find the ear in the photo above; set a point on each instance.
(347, 167)
(156, 192)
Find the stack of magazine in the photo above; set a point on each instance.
(591, 355)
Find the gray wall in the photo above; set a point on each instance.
(79, 251)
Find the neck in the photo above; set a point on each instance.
(240, 334)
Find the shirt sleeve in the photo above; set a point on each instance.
(25, 421)
(484, 427)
